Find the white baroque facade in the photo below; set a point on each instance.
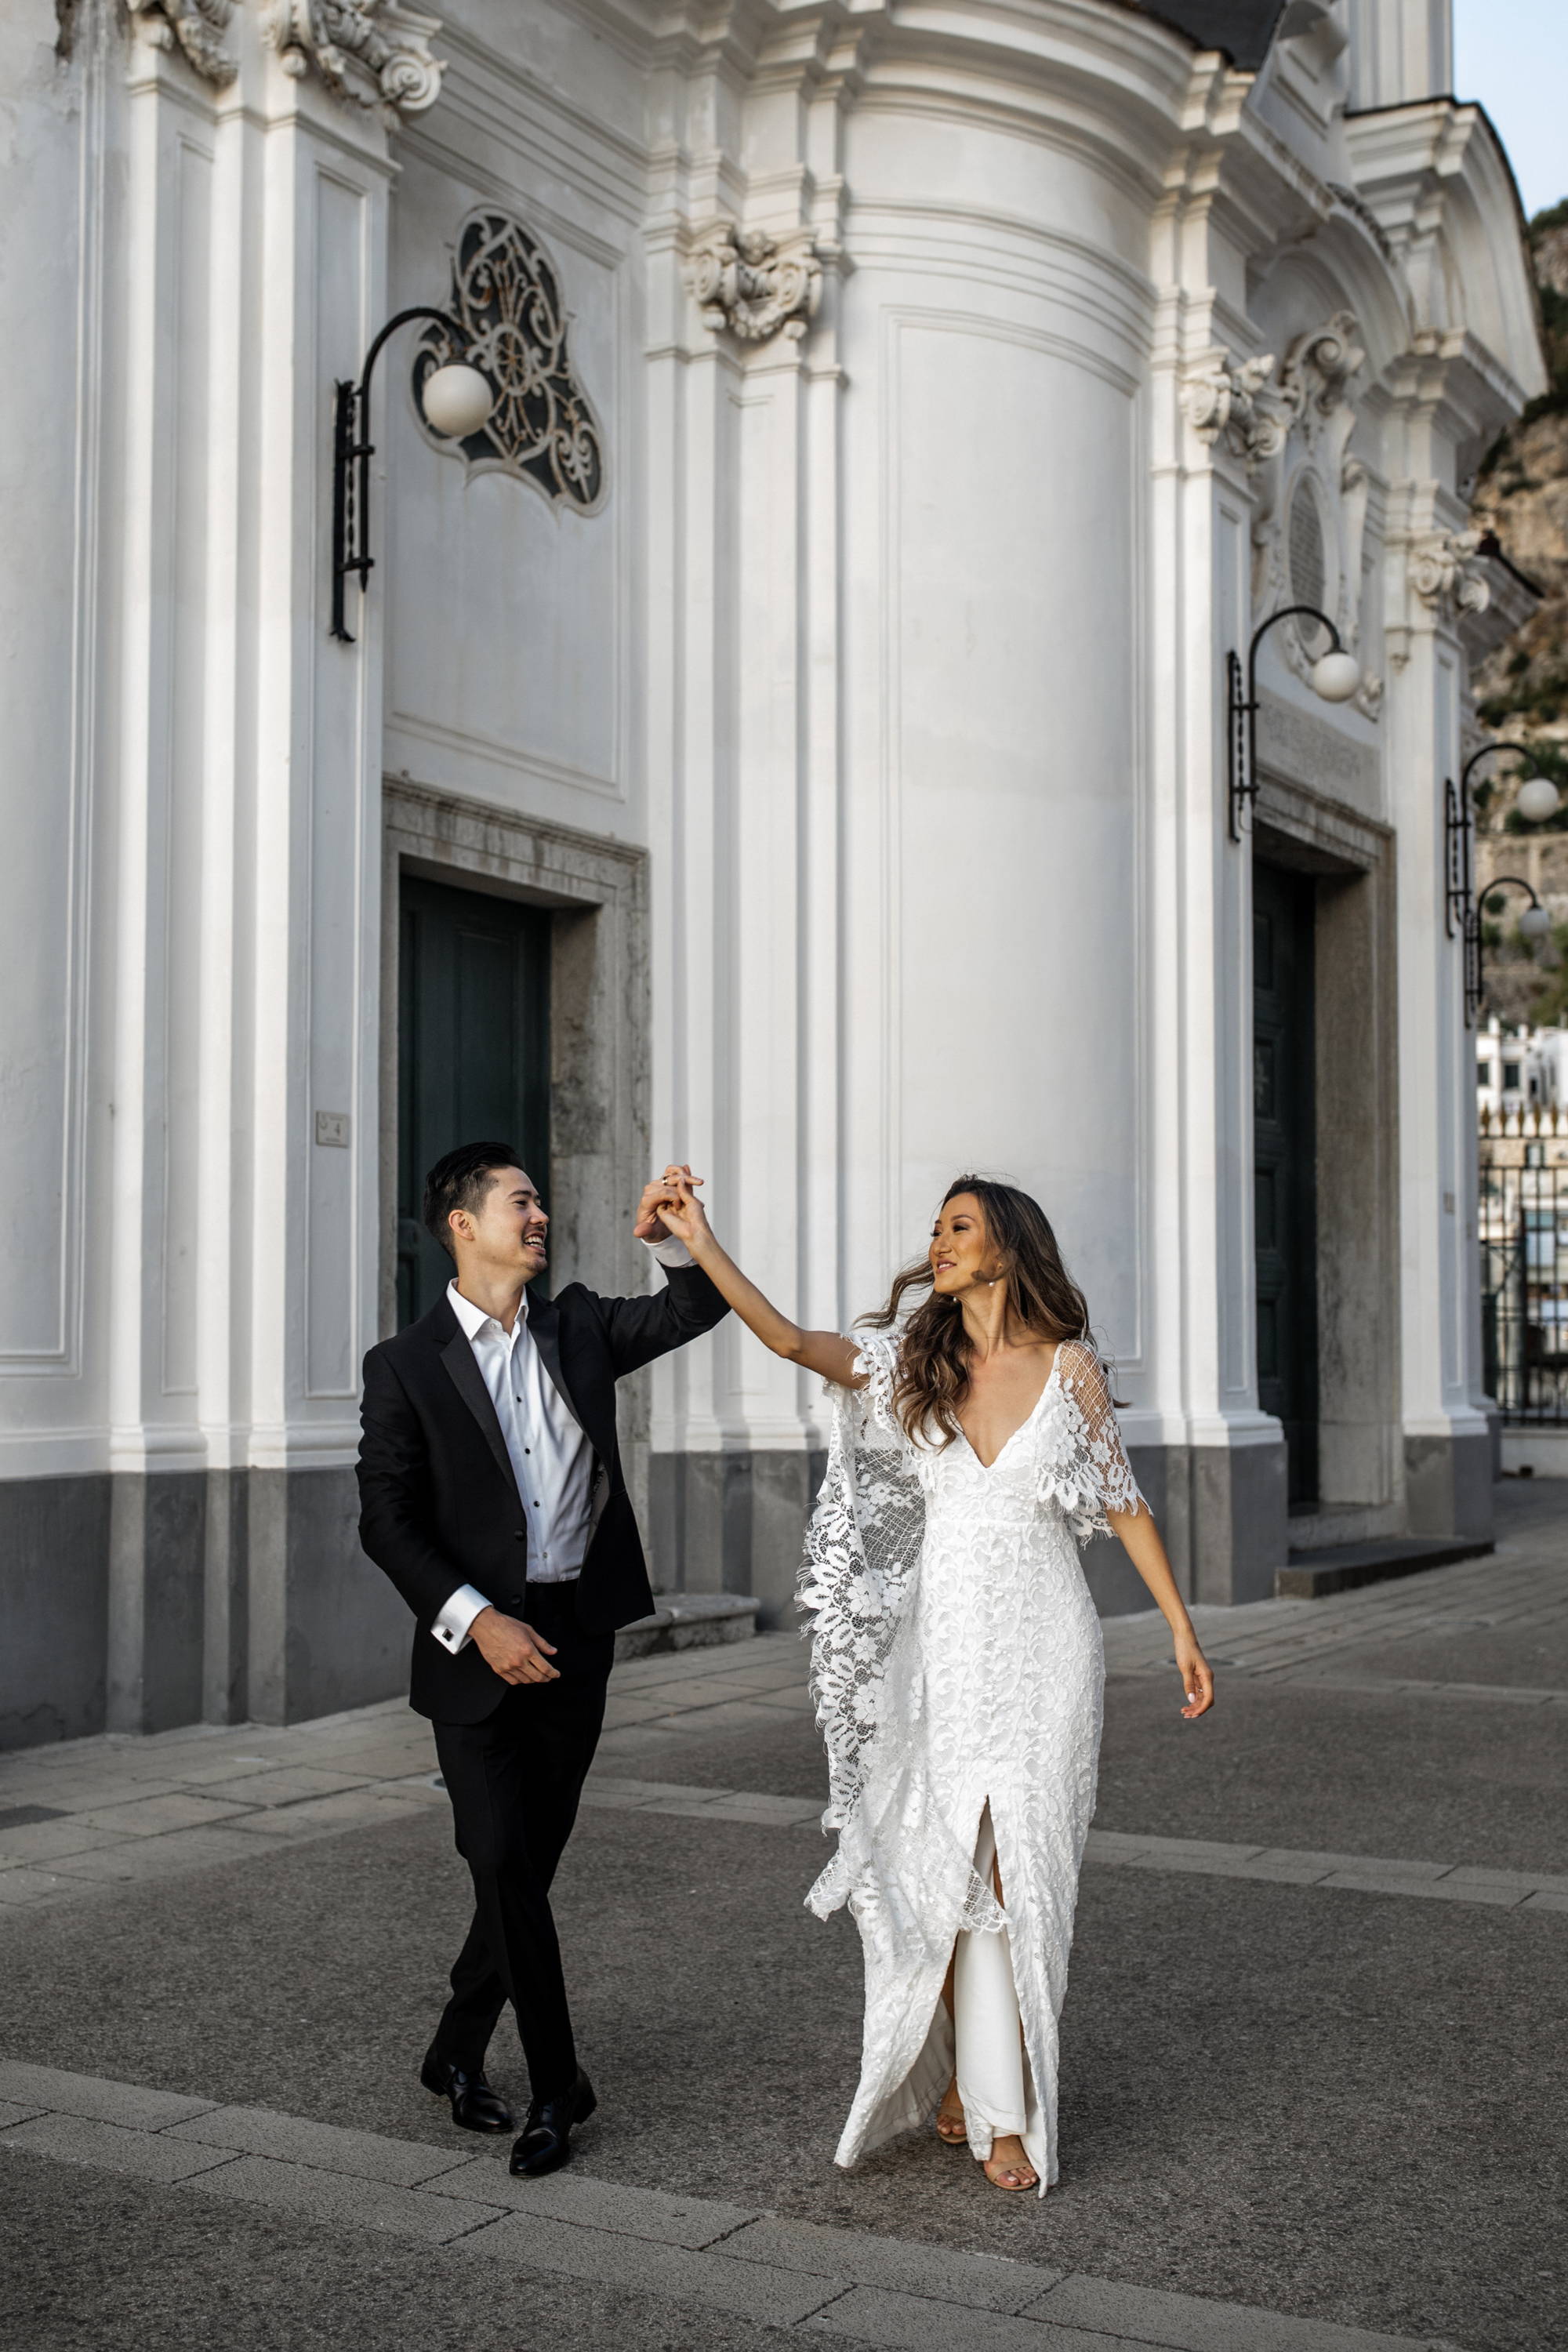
(791, 734)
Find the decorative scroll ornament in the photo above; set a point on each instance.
(1443, 571)
(198, 26)
(1315, 379)
(371, 53)
(755, 285)
(1307, 478)
(1231, 402)
(506, 295)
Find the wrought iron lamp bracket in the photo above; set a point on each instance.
(1461, 911)
(1241, 711)
(353, 450)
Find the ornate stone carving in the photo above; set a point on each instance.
(506, 295)
(372, 53)
(198, 26)
(1232, 401)
(1314, 383)
(755, 285)
(1443, 572)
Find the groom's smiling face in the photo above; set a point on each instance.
(506, 1234)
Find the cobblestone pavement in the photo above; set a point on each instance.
(1312, 2089)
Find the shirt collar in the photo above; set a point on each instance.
(474, 1319)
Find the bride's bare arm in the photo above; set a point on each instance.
(1141, 1542)
(827, 1352)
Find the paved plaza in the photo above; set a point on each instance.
(1312, 2092)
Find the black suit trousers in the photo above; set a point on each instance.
(514, 1780)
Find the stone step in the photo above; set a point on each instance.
(1342, 1568)
(689, 1621)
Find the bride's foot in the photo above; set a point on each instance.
(949, 2124)
(1007, 2166)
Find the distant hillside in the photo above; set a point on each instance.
(1522, 688)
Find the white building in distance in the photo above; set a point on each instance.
(1520, 1068)
(791, 735)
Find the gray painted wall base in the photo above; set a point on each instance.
(54, 1607)
(141, 1602)
(731, 1523)
(1448, 1485)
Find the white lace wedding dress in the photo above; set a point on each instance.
(956, 1665)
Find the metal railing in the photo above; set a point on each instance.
(1523, 1234)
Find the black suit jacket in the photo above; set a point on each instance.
(438, 1504)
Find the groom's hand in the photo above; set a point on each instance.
(664, 1192)
(513, 1650)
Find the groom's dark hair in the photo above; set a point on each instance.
(460, 1180)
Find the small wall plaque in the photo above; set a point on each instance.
(332, 1127)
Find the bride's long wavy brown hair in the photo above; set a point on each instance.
(933, 1378)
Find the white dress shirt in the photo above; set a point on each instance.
(551, 1457)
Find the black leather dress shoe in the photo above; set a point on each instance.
(473, 2105)
(545, 2140)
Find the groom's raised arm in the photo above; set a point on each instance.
(394, 1475)
(639, 1330)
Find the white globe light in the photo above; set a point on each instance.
(456, 400)
(1538, 798)
(1336, 677)
(1534, 923)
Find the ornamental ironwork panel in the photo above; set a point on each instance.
(1524, 1271)
(506, 295)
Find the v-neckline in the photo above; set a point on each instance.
(987, 1467)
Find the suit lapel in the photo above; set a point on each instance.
(545, 1329)
(469, 1381)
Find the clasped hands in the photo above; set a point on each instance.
(669, 1207)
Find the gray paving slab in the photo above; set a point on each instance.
(48, 1840)
(124, 2265)
(978, 2282)
(780, 2298)
(138, 2106)
(590, 2203)
(177, 1850)
(347, 2201)
(1151, 2315)
(874, 2314)
(151, 1816)
(1438, 1890)
(76, 2139)
(367, 2156)
(11, 2113)
(20, 1885)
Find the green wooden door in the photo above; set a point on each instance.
(1285, 1163)
(473, 1032)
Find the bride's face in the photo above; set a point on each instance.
(960, 1248)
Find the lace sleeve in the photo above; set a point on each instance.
(862, 1549)
(1088, 1472)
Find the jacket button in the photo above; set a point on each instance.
(519, 1536)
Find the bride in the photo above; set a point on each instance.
(956, 1659)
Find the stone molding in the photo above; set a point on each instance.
(1231, 401)
(1444, 572)
(197, 27)
(754, 286)
(369, 53)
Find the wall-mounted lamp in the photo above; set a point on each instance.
(1537, 799)
(456, 400)
(1335, 676)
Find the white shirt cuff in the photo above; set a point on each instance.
(451, 1628)
(669, 1252)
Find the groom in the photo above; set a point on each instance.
(491, 1493)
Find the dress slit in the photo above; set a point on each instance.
(988, 2041)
